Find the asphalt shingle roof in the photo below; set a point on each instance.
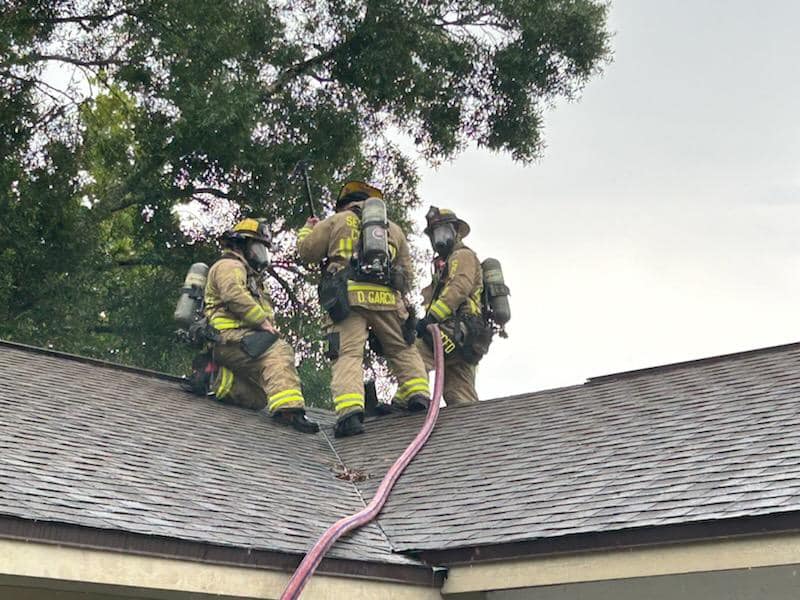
(700, 441)
(93, 445)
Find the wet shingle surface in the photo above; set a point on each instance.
(701, 441)
(97, 446)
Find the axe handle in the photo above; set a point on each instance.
(311, 206)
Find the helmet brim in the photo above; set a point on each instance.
(354, 190)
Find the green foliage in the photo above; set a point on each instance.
(157, 105)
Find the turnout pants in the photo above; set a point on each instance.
(459, 377)
(270, 380)
(346, 340)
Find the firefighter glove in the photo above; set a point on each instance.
(422, 325)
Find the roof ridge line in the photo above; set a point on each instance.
(88, 360)
(690, 363)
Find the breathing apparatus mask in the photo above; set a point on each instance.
(443, 238)
(253, 239)
(257, 254)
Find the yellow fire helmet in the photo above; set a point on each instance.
(256, 229)
(437, 216)
(355, 190)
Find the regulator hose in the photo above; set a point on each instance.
(314, 556)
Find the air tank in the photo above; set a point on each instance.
(190, 302)
(496, 291)
(374, 254)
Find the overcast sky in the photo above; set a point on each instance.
(661, 224)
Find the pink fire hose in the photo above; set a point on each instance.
(312, 559)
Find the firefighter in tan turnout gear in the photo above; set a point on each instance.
(256, 366)
(453, 300)
(366, 272)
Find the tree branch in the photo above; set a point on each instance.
(300, 68)
(289, 267)
(296, 304)
(209, 190)
(99, 62)
(94, 18)
(39, 84)
(137, 262)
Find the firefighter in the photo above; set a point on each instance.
(453, 300)
(256, 366)
(360, 301)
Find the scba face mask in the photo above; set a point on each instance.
(257, 254)
(443, 238)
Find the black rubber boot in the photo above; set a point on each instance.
(418, 403)
(350, 425)
(199, 381)
(383, 409)
(296, 419)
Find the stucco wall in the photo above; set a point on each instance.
(26, 565)
(769, 583)
(626, 564)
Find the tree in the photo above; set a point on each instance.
(115, 112)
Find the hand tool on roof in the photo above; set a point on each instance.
(346, 524)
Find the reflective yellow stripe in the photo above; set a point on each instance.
(303, 233)
(284, 401)
(348, 400)
(355, 286)
(349, 404)
(437, 313)
(441, 310)
(222, 323)
(285, 393)
(414, 381)
(348, 397)
(255, 315)
(345, 248)
(419, 388)
(225, 382)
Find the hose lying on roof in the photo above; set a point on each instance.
(311, 561)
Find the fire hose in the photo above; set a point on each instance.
(314, 556)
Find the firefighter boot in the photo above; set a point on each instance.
(349, 425)
(418, 403)
(203, 371)
(296, 419)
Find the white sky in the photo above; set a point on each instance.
(661, 224)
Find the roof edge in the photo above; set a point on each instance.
(746, 526)
(88, 360)
(76, 536)
(690, 363)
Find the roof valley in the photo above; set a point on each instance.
(357, 490)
